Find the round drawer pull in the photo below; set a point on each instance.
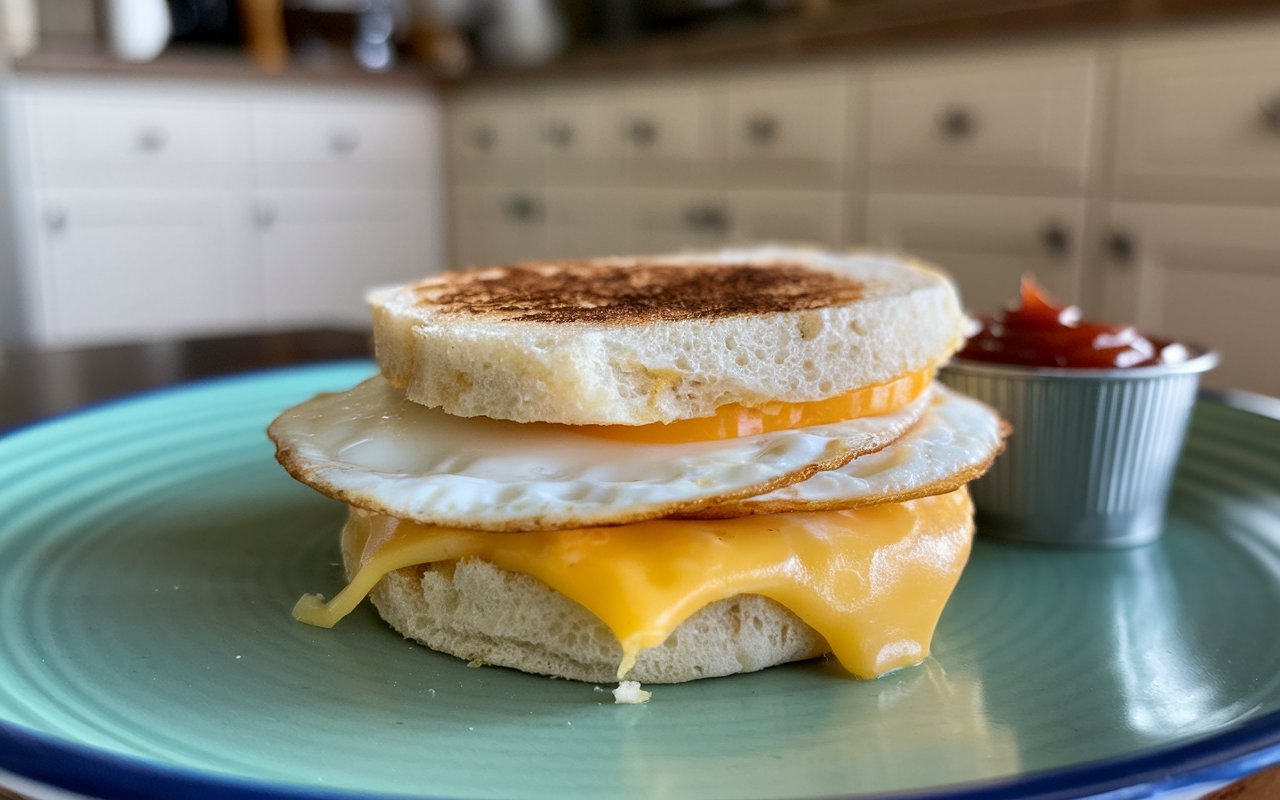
(559, 135)
(1270, 109)
(482, 138)
(642, 132)
(522, 208)
(1122, 248)
(56, 219)
(264, 215)
(152, 139)
(707, 219)
(1056, 239)
(343, 143)
(762, 129)
(957, 123)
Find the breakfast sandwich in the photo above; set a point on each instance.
(655, 469)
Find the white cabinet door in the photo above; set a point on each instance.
(496, 136)
(321, 251)
(1020, 123)
(666, 134)
(339, 140)
(1199, 117)
(584, 223)
(820, 218)
(499, 226)
(669, 220)
(575, 137)
(133, 265)
(986, 243)
(1204, 274)
(788, 128)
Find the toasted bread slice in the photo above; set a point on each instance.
(627, 341)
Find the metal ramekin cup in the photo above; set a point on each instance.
(1092, 453)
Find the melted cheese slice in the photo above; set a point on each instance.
(872, 581)
(734, 420)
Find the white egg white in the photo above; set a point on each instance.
(372, 448)
(954, 442)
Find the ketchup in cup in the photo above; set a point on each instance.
(1039, 333)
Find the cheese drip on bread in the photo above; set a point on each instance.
(872, 581)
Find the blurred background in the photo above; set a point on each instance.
(187, 168)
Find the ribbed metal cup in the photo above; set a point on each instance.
(1093, 451)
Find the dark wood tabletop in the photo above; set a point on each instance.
(36, 383)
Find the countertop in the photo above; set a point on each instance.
(844, 27)
(36, 384)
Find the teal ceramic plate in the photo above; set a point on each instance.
(150, 552)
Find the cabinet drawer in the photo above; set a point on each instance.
(667, 220)
(574, 138)
(986, 243)
(1205, 274)
(664, 134)
(984, 124)
(496, 137)
(789, 130)
(1199, 118)
(311, 142)
(87, 137)
(499, 226)
(791, 216)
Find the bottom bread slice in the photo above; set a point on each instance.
(479, 612)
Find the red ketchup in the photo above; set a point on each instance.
(1041, 334)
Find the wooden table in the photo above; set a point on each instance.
(37, 384)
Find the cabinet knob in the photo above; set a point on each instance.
(642, 132)
(957, 123)
(707, 219)
(344, 143)
(1270, 109)
(152, 139)
(55, 219)
(1056, 239)
(522, 208)
(264, 215)
(762, 129)
(482, 138)
(1122, 248)
(559, 135)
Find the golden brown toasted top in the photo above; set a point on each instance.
(623, 293)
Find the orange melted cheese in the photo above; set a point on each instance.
(733, 420)
(871, 581)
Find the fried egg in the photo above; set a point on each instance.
(955, 442)
(372, 448)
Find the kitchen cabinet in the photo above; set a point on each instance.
(1068, 160)
(823, 218)
(320, 251)
(666, 220)
(794, 129)
(1199, 117)
(666, 134)
(130, 264)
(149, 210)
(497, 226)
(496, 137)
(1204, 274)
(1004, 124)
(986, 243)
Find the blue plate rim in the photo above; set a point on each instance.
(73, 767)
